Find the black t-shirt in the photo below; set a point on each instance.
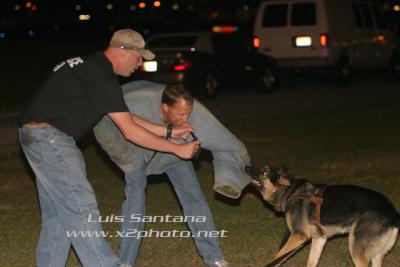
(76, 95)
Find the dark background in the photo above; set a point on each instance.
(51, 17)
(47, 19)
(37, 34)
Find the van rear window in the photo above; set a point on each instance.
(357, 15)
(275, 15)
(367, 16)
(303, 14)
(379, 17)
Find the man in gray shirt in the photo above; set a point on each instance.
(173, 105)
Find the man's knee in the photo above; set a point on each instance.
(136, 179)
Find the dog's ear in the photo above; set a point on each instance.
(283, 171)
(284, 178)
(284, 181)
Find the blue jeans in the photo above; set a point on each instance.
(183, 178)
(66, 200)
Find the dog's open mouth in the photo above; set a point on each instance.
(257, 184)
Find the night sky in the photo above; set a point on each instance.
(46, 17)
(102, 11)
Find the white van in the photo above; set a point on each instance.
(333, 36)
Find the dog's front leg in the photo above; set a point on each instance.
(294, 241)
(317, 245)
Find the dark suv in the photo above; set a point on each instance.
(208, 61)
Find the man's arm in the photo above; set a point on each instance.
(140, 136)
(161, 130)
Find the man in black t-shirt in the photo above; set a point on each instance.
(78, 93)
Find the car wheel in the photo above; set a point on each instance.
(342, 73)
(211, 84)
(267, 81)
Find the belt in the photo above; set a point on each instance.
(33, 124)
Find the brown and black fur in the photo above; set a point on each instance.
(368, 217)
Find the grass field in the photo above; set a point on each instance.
(358, 145)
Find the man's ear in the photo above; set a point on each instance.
(164, 108)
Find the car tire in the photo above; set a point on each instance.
(210, 84)
(268, 81)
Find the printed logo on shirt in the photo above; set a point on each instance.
(72, 62)
(56, 68)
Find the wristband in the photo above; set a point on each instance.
(169, 131)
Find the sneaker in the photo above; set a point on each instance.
(221, 263)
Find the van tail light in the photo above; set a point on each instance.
(181, 66)
(256, 42)
(324, 39)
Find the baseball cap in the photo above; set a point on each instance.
(131, 40)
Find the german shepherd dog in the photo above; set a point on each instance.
(315, 212)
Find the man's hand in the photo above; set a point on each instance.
(187, 150)
(182, 131)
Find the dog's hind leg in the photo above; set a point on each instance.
(317, 245)
(382, 246)
(371, 238)
(357, 250)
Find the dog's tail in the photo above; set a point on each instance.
(279, 261)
